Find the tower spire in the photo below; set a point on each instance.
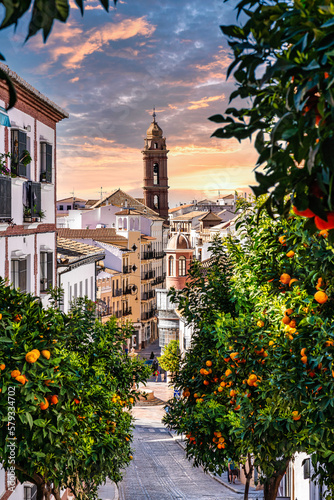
(154, 114)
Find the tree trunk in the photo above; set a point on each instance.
(56, 493)
(248, 475)
(40, 491)
(271, 485)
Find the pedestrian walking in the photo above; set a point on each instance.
(156, 374)
(233, 471)
(152, 355)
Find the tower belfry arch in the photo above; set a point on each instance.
(155, 169)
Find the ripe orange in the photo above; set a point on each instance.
(0, 316)
(304, 359)
(46, 354)
(323, 233)
(232, 393)
(45, 405)
(282, 240)
(31, 357)
(21, 379)
(286, 320)
(233, 355)
(290, 254)
(321, 297)
(327, 344)
(15, 373)
(206, 382)
(285, 278)
(2, 366)
(260, 323)
(292, 324)
(228, 372)
(17, 318)
(303, 351)
(295, 415)
(292, 281)
(54, 400)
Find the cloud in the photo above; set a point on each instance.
(204, 102)
(70, 46)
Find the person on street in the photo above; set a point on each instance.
(152, 355)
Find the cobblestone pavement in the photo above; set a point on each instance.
(160, 470)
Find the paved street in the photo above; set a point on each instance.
(159, 470)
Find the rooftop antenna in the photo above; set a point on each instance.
(72, 193)
(154, 114)
(101, 193)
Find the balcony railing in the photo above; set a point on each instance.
(118, 314)
(147, 314)
(159, 255)
(148, 255)
(126, 269)
(148, 295)
(148, 275)
(159, 279)
(127, 311)
(117, 292)
(127, 290)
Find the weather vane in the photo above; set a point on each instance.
(154, 115)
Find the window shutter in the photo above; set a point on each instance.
(22, 169)
(49, 269)
(23, 275)
(5, 197)
(48, 163)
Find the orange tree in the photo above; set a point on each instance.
(258, 397)
(66, 391)
(284, 71)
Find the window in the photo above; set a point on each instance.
(18, 147)
(19, 274)
(86, 287)
(46, 263)
(33, 198)
(182, 266)
(69, 207)
(155, 145)
(75, 291)
(46, 162)
(155, 173)
(61, 207)
(156, 202)
(5, 197)
(171, 266)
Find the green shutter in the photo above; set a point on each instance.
(48, 163)
(22, 169)
(5, 197)
(49, 269)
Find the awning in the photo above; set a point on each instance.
(4, 118)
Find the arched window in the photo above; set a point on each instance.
(125, 224)
(156, 202)
(155, 173)
(182, 266)
(171, 266)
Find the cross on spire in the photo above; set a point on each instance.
(154, 115)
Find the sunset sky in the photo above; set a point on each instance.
(108, 71)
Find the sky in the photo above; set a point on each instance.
(108, 70)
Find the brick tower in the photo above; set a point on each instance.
(155, 170)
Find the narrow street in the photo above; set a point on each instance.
(160, 470)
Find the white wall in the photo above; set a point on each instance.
(84, 275)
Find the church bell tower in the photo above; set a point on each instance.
(155, 170)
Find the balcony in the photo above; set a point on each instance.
(148, 315)
(126, 269)
(148, 275)
(148, 255)
(159, 255)
(117, 292)
(127, 290)
(127, 311)
(159, 279)
(148, 295)
(118, 314)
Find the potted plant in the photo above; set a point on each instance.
(41, 214)
(26, 214)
